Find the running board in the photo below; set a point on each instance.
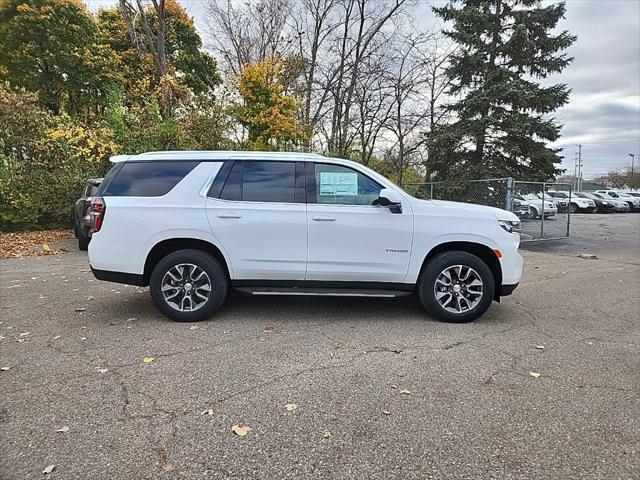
(339, 292)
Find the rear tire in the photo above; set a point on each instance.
(442, 299)
(188, 285)
(83, 242)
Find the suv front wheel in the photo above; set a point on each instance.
(456, 287)
(188, 285)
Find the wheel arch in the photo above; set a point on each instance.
(165, 247)
(485, 253)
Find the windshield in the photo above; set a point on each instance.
(581, 195)
(530, 196)
(558, 194)
(614, 195)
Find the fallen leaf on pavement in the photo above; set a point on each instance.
(239, 430)
(148, 359)
(290, 407)
(80, 309)
(535, 374)
(48, 469)
(404, 391)
(540, 347)
(4, 369)
(24, 334)
(56, 337)
(268, 328)
(394, 386)
(45, 247)
(64, 429)
(19, 244)
(207, 412)
(131, 319)
(194, 327)
(386, 412)
(102, 370)
(20, 340)
(327, 434)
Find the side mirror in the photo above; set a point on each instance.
(391, 199)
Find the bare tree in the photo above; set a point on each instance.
(249, 32)
(438, 83)
(313, 23)
(151, 42)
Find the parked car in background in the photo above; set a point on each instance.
(619, 205)
(603, 205)
(82, 211)
(194, 225)
(634, 202)
(560, 198)
(520, 207)
(537, 207)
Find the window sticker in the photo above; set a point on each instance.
(338, 184)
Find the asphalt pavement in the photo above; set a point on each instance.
(545, 385)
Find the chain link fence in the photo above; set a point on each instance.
(543, 216)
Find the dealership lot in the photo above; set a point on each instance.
(381, 390)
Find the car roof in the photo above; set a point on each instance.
(187, 155)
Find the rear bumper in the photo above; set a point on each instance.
(506, 290)
(119, 277)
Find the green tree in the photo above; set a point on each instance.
(185, 59)
(51, 47)
(268, 114)
(503, 118)
(44, 158)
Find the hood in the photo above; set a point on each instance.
(467, 210)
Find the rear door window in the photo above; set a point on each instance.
(147, 179)
(260, 181)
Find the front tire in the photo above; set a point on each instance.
(573, 208)
(188, 285)
(456, 287)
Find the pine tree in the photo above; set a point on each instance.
(503, 115)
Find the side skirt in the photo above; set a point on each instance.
(320, 288)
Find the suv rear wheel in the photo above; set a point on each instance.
(456, 287)
(188, 285)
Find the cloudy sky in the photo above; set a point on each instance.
(603, 113)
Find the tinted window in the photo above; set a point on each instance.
(261, 181)
(336, 184)
(148, 179)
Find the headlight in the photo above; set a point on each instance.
(510, 226)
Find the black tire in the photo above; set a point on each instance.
(533, 212)
(83, 242)
(573, 208)
(427, 282)
(217, 277)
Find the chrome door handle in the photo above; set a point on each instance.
(229, 215)
(323, 218)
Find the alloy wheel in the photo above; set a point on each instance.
(458, 289)
(186, 287)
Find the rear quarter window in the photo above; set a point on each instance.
(146, 179)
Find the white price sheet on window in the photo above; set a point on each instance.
(338, 184)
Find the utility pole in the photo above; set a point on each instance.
(579, 167)
(575, 171)
(633, 157)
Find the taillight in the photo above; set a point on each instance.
(98, 209)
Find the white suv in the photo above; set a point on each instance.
(193, 225)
